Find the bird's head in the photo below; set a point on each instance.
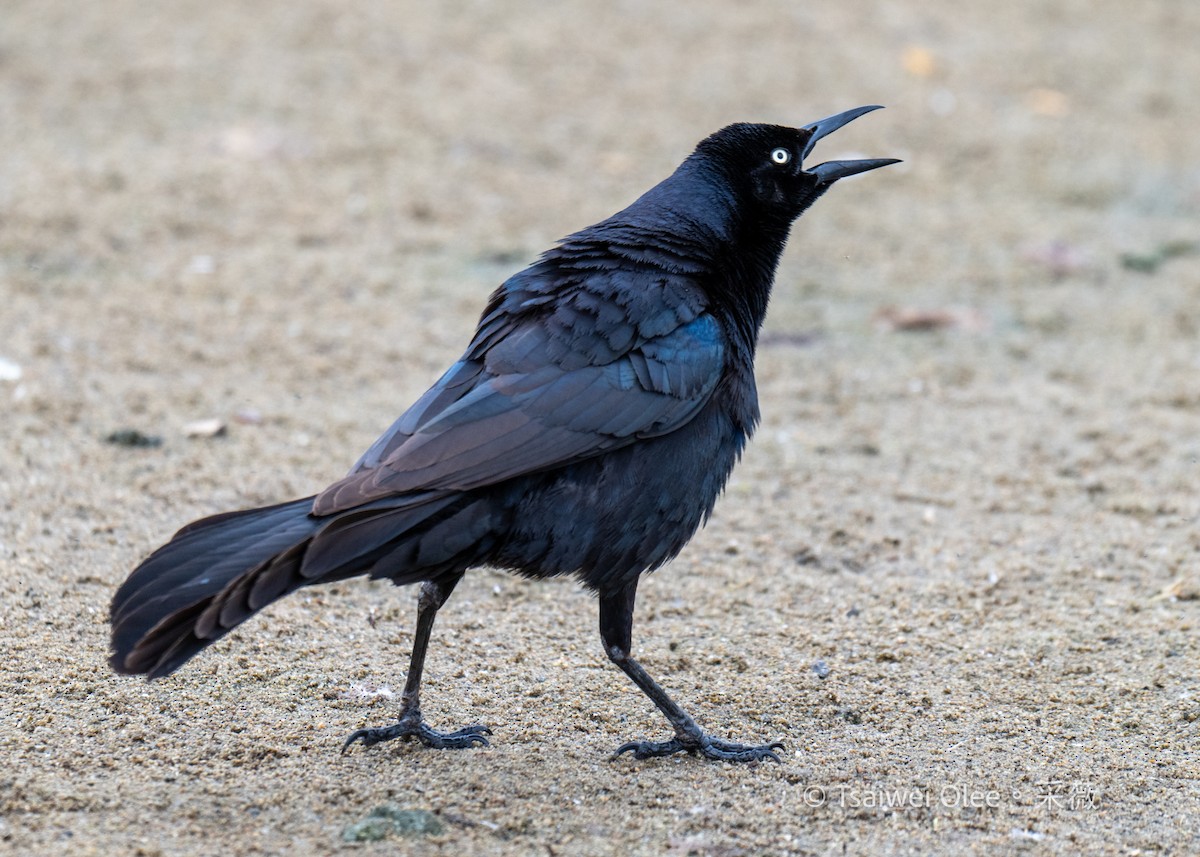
(764, 164)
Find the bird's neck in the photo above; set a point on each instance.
(693, 224)
(746, 275)
(693, 204)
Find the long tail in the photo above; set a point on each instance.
(219, 571)
(210, 577)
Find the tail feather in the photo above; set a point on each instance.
(215, 548)
(219, 571)
(352, 540)
(165, 647)
(158, 614)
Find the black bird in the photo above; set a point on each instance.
(587, 430)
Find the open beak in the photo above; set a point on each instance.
(831, 171)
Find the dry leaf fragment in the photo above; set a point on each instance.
(248, 416)
(918, 62)
(1048, 102)
(1180, 589)
(1059, 257)
(910, 319)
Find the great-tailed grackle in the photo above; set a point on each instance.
(588, 429)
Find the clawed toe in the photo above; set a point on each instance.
(704, 745)
(731, 752)
(366, 736)
(468, 736)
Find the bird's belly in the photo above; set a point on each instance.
(612, 517)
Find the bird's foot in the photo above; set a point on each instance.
(705, 745)
(414, 727)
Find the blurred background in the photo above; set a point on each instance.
(203, 159)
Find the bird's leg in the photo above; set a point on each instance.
(616, 630)
(411, 724)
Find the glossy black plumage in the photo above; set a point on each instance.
(588, 429)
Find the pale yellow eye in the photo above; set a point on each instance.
(781, 156)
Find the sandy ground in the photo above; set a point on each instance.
(286, 216)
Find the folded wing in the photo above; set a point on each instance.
(506, 410)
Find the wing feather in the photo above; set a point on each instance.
(523, 403)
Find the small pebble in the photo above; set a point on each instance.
(133, 438)
(205, 428)
(9, 370)
(388, 819)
